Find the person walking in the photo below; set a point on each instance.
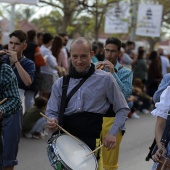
(123, 77)
(24, 70)
(90, 102)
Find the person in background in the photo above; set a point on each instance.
(59, 52)
(123, 77)
(65, 39)
(33, 53)
(33, 123)
(125, 59)
(24, 70)
(164, 61)
(49, 73)
(140, 69)
(144, 101)
(40, 39)
(88, 104)
(154, 73)
(130, 47)
(95, 49)
(100, 51)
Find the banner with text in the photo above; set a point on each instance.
(149, 20)
(116, 20)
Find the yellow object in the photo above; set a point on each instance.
(109, 159)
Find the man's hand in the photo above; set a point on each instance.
(109, 66)
(100, 65)
(52, 124)
(160, 152)
(2, 52)
(12, 56)
(106, 64)
(109, 141)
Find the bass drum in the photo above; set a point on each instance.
(71, 153)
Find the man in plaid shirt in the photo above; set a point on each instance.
(9, 90)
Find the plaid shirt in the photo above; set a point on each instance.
(9, 90)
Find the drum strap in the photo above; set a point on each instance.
(66, 79)
(65, 99)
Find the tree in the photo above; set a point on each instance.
(24, 14)
(49, 23)
(95, 8)
(68, 8)
(98, 11)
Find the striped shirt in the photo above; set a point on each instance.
(9, 90)
(95, 95)
(124, 78)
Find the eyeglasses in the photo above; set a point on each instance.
(110, 51)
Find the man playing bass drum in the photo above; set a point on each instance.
(84, 112)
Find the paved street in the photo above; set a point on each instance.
(134, 148)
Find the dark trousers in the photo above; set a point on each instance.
(1, 145)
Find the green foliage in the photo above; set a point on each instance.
(85, 17)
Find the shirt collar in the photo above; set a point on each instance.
(117, 66)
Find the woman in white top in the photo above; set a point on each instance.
(161, 112)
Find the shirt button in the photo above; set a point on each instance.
(79, 108)
(78, 97)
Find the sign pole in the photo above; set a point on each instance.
(12, 18)
(133, 25)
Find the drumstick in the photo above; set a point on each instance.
(60, 127)
(2, 101)
(94, 150)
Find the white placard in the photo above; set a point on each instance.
(31, 2)
(149, 20)
(116, 20)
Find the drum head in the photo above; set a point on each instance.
(74, 153)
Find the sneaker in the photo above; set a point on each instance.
(28, 135)
(145, 111)
(36, 135)
(135, 116)
(44, 133)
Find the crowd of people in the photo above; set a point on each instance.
(113, 82)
